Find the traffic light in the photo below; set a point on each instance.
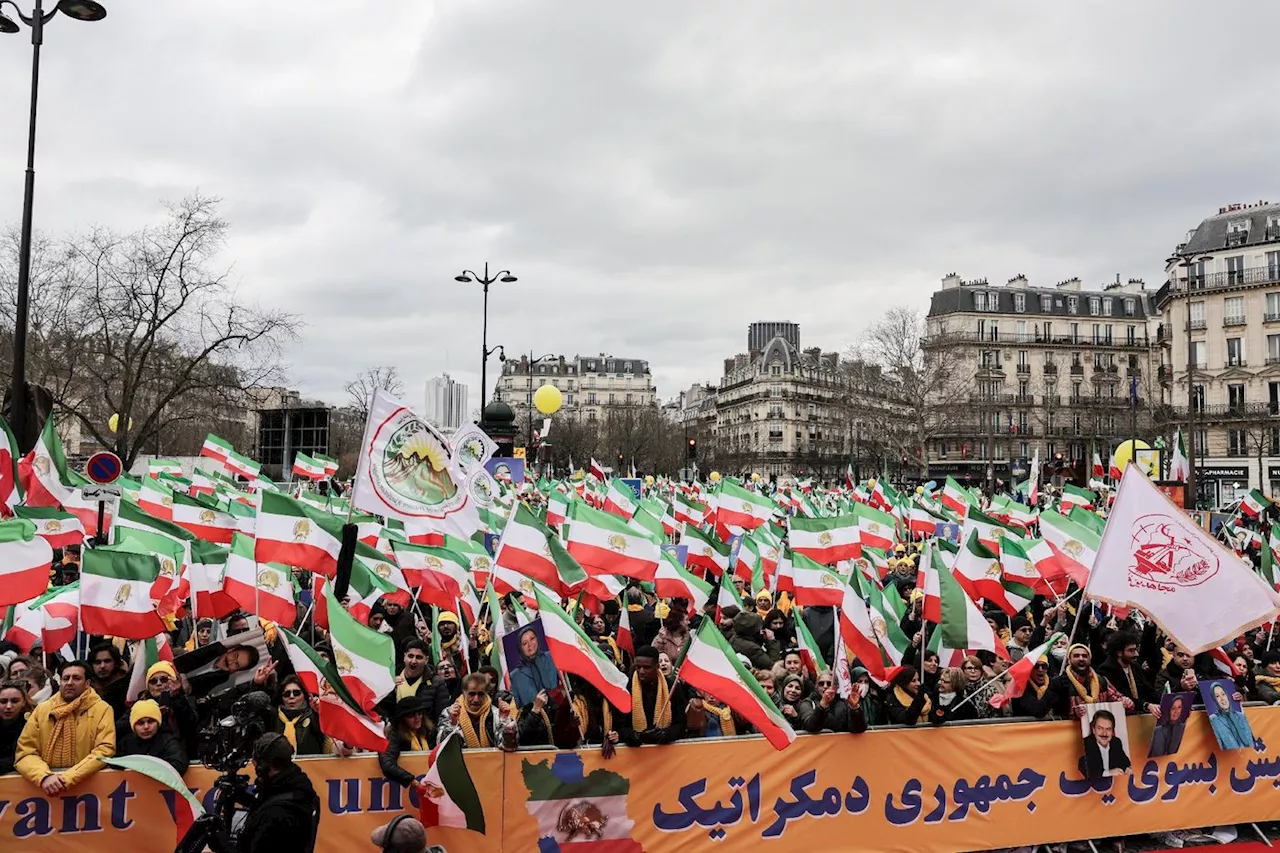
(619, 460)
(692, 452)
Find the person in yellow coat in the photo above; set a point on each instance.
(66, 735)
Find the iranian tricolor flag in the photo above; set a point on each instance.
(922, 522)
(605, 544)
(206, 569)
(60, 529)
(156, 467)
(60, 607)
(10, 483)
(216, 448)
(263, 589)
(557, 508)
(962, 624)
(1076, 496)
(1098, 471)
(25, 561)
(1020, 579)
(341, 717)
(295, 534)
(619, 500)
(1179, 467)
(156, 498)
(240, 464)
(166, 590)
(1074, 546)
(826, 540)
(741, 507)
(711, 666)
(330, 464)
(574, 652)
(597, 470)
(672, 580)
(553, 794)
(44, 470)
(22, 625)
(115, 599)
(878, 528)
(689, 511)
(815, 585)
(884, 621)
(202, 520)
(451, 799)
(705, 551)
(1268, 569)
(858, 632)
(809, 651)
(439, 574)
(308, 467)
(928, 581)
(978, 570)
(146, 653)
(479, 559)
(1254, 503)
(1020, 673)
(365, 658)
(186, 807)
(528, 547)
(955, 497)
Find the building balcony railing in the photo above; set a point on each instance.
(1077, 370)
(1229, 412)
(1227, 279)
(1051, 369)
(1197, 324)
(1164, 373)
(1133, 371)
(1271, 317)
(1238, 320)
(1273, 359)
(1024, 368)
(1011, 338)
(1236, 362)
(1272, 232)
(991, 399)
(1162, 333)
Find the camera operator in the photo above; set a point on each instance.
(285, 815)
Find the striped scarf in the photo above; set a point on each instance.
(62, 740)
(1095, 686)
(474, 739)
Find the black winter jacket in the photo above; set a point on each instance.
(285, 816)
(163, 746)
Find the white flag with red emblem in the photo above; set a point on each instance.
(1154, 557)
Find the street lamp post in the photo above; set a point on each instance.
(80, 10)
(1187, 262)
(486, 280)
(537, 450)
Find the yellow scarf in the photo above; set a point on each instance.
(546, 721)
(416, 742)
(407, 689)
(473, 738)
(907, 699)
(661, 706)
(1095, 686)
(1270, 680)
(1165, 657)
(1038, 688)
(1133, 685)
(290, 730)
(725, 713)
(62, 740)
(584, 716)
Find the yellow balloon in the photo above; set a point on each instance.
(1125, 454)
(648, 479)
(714, 476)
(547, 399)
(919, 490)
(871, 484)
(755, 478)
(113, 423)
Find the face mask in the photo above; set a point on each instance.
(862, 690)
(1058, 653)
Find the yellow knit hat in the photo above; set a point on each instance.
(162, 666)
(144, 709)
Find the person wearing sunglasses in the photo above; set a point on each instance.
(15, 707)
(178, 714)
(298, 721)
(824, 710)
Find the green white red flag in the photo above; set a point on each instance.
(878, 528)
(741, 507)
(815, 585)
(293, 533)
(672, 580)
(705, 551)
(439, 574)
(263, 589)
(146, 653)
(57, 527)
(202, 519)
(1074, 546)
(826, 540)
(809, 651)
(25, 561)
(308, 467)
(115, 593)
(712, 667)
(216, 448)
(11, 493)
(603, 543)
(186, 807)
(341, 717)
(529, 548)
(206, 570)
(1020, 673)
(963, 626)
(364, 658)
(574, 652)
(451, 798)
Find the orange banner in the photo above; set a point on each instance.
(948, 789)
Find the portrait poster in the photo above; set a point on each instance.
(1222, 701)
(1106, 741)
(223, 665)
(1175, 710)
(529, 662)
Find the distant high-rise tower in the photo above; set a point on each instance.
(759, 334)
(446, 402)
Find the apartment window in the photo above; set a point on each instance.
(1197, 354)
(1077, 424)
(942, 450)
(1024, 388)
(1075, 391)
(1075, 359)
(994, 331)
(1024, 450)
(1235, 396)
(1075, 333)
(1202, 441)
(1023, 361)
(1106, 333)
(1094, 306)
(1020, 303)
(1273, 397)
(591, 415)
(1046, 331)
(1130, 307)
(1274, 442)
(1236, 445)
(1235, 269)
(1197, 315)
(1046, 304)
(991, 359)
(980, 300)
(1233, 311)
(591, 398)
(1273, 268)
(1273, 349)
(1130, 335)
(1022, 331)
(1195, 278)
(1106, 306)
(1097, 333)
(613, 398)
(1235, 352)
(1197, 399)
(1073, 304)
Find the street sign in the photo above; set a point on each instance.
(632, 483)
(99, 492)
(103, 467)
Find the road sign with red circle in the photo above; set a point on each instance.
(103, 467)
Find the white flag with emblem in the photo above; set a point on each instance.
(1155, 558)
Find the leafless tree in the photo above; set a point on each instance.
(146, 326)
(360, 390)
(930, 380)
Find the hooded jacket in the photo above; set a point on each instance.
(282, 821)
(95, 738)
(749, 641)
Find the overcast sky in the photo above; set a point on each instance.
(658, 175)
